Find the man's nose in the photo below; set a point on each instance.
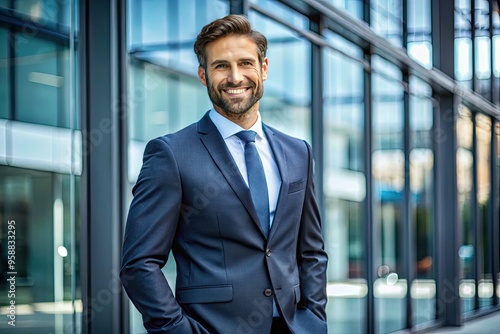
(235, 75)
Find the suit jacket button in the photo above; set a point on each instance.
(268, 252)
(268, 292)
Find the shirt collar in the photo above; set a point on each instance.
(228, 128)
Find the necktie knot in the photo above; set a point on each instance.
(247, 136)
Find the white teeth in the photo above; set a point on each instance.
(235, 91)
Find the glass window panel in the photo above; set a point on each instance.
(421, 52)
(284, 13)
(354, 7)
(161, 102)
(482, 12)
(154, 25)
(344, 188)
(419, 32)
(423, 287)
(286, 104)
(388, 168)
(467, 251)
(463, 58)
(387, 20)
(483, 57)
(40, 205)
(483, 149)
(4, 74)
(148, 24)
(44, 12)
(462, 17)
(40, 94)
(496, 55)
(4, 3)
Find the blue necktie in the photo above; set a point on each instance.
(256, 178)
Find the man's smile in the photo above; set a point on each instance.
(236, 91)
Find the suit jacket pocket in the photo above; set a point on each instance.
(296, 186)
(205, 294)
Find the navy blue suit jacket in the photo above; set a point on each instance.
(191, 199)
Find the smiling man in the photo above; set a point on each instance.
(233, 200)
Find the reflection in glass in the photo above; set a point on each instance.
(388, 168)
(419, 32)
(423, 288)
(4, 74)
(482, 56)
(40, 205)
(286, 104)
(463, 59)
(483, 148)
(354, 7)
(464, 185)
(42, 87)
(387, 19)
(45, 12)
(344, 188)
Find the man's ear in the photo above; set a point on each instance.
(265, 64)
(201, 75)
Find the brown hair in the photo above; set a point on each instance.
(230, 25)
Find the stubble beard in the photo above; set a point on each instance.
(234, 107)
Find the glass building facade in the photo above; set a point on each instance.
(399, 99)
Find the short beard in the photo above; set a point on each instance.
(233, 108)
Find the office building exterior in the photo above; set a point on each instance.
(399, 99)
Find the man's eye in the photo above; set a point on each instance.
(221, 66)
(246, 63)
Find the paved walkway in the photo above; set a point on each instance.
(489, 324)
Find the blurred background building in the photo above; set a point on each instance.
(400, 100)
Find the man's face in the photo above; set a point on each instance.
(234, 76)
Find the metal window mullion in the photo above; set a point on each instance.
(238, 7)
(370, 270)
(317, 110)
(494, 211)
(476, 223)
(408, 232)
(475, 85)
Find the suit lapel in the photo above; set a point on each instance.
(216, 147)
(280, 158)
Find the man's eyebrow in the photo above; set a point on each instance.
(250, 59)
(221, 61)
(218, 61)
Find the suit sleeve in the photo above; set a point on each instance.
(311, 257)
(149, 234)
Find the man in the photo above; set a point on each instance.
(247, 246)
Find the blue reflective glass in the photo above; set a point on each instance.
(354, 7)
(423, 287)
(45, 12)
(344, 186)
(286, 103)
(388, 171)
(467, 251)
(41, 89)
(4, 74)
(387, 19)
